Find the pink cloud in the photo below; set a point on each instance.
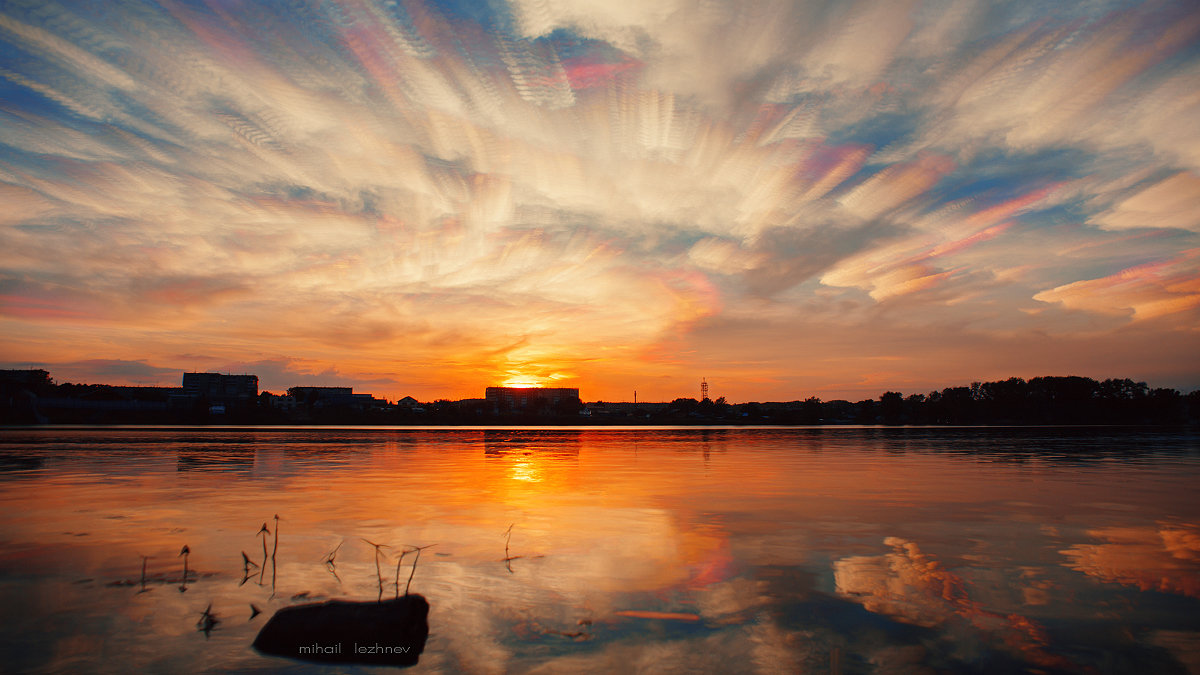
(587, 72)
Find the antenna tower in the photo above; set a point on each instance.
(703, 389)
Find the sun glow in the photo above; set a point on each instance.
(522, 382)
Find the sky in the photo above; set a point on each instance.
(786, 199)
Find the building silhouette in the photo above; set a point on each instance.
(526, 398)
(35, 378)
(219, 389)
(333, 397)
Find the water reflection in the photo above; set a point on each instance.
(531, 456)
(13, 465)
(509, 442)
(1163, 558)
(215, 459)
(913, 587)
(684, 550)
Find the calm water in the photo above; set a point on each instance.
(648, 550)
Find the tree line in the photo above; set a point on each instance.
(1041, 400)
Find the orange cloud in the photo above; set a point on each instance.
(1142, 292)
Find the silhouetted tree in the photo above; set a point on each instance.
(752, 411)
(811, 411)
(914, 408)
(955, 405)
(683, 405)
(891, 407)
(866, 413)
(1165, 406)
(1192, 404)
(1004, 401)
(1065, 399)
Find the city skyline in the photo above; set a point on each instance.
(785, 199)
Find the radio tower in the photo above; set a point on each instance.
(703, 390)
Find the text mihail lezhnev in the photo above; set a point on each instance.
(336, 648)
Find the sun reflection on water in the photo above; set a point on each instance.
(528, 471)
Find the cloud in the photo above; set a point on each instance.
(1143, 292)
(1171, 202)
(387, 189)
(792, 255)
(108, 371)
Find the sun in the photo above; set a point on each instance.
(522, 381)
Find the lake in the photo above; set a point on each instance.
(655, 550)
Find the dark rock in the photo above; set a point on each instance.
(386, 633)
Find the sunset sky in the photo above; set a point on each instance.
(427, 198)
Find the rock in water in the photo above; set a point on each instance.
(386, 633)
